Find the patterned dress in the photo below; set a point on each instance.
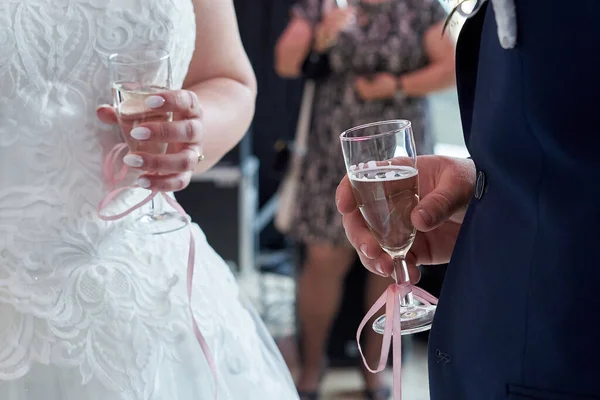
(387, 37)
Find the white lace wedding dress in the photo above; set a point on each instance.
(89, 311)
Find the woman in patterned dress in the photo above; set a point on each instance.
(385, 57)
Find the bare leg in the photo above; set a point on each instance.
(376, 285)
(320, 289)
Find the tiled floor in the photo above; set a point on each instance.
(342, 384)
(339, 384)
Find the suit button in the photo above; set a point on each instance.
(480, 185)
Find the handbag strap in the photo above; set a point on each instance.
(304, 119)
(306, 106)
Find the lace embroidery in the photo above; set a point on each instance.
(76, 291)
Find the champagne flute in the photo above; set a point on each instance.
(135, 76)
(381, 162)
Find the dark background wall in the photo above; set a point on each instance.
(260, 23)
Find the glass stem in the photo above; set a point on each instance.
(401, 276)
(156, 208)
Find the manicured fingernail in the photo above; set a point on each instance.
(363, 249)
(379, 269)
(155, 101)
(144, 183)
(103, 106)
(133, 160)
(426, 216)
(140, 133)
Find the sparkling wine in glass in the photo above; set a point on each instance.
(135, 76)
(381, 162)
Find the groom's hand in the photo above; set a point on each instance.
(446, 186)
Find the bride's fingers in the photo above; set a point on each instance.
(183, 102)
(185, 160)
(107, 114)
(184, 131)
(165, 183)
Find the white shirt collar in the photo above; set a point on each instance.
(506, 18)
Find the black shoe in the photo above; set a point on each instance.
(383, 393)
(308, 395)
(315, 395)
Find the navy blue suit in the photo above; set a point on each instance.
(519, 313)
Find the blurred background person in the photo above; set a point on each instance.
(374, 60)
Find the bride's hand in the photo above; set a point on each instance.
(184, 136)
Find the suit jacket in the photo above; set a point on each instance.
(519, 313)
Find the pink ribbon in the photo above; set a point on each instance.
(108, 170)
(392, 331)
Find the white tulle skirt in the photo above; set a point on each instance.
(249, 364)
(188, 379)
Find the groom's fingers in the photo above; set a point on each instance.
(370, 252)
(344, 197)
(414, 274)
(359, 236)
(451, 195)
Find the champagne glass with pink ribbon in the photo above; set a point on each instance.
(135, 77)
(381, 161)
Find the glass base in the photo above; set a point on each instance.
(414, 319)
(159, 223)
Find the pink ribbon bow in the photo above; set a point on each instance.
(108, 170)
(392, 331)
